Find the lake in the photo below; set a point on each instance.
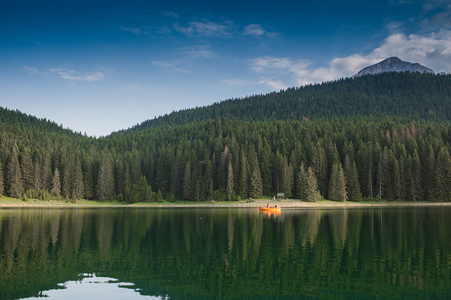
(230, 253)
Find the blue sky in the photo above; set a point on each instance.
(101, 66)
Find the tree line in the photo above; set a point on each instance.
(225, 159)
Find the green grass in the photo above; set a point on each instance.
(9, 200)
(83, 202)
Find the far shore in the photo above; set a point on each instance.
(210, 204)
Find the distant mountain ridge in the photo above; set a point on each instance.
(400, 94)
(393, 64)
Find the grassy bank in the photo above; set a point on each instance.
(13, 202)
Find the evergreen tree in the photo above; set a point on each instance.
(2, 183)
(385, 178)
(319, 165)
(56, 183)
(352, 182)
(429, 174)
(442, 191)
(27, 168)
(46, 173)
(266, 167)
(37, 176)
(397, 183)
(287, 179)
(244, 178)
(380, 179)
(337, 184)
(159, 196)
(409, 180)
(142, 190)
(78, 188)
(66, 182)
(223, 169)
(313, 194)
(302, 183)
(187, 183)
(230, 182)
(207, 187)
(175, 186)
(127, 181)
(256, 184)
(418, 193)
(136, 172)
(88, 177)
(14, 175)
(149, 195)
(105, 181)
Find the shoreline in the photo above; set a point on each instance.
(254, 204)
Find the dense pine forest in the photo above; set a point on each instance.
(382, 136)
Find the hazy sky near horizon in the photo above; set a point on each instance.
(99, 66)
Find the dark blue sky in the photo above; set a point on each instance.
(101, 66)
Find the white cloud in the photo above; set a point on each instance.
(195, 52)
(73, 75)
(434, 4)
(433, 51)
(256, 30)
(204, 29)
(395, 26)
(235, 82)
(439, 22)
(170, 14)
(166, 64)
(269, 64)
(174, 65)
(187, 55)
(32, 70)
(276, 85)
(68, 74)
(135, 30)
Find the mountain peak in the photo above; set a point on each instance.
(393, 64)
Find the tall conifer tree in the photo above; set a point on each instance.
(46, 173)
(105, 179)
(230, 182)
(187, 182)
(244, 177)
(2, 182)
(78, 187)
(337, 184)
(442, 191)
(27, 168)
(313, 194)
(56, 183)
(417, 183)
(302, 184)
(14, 175)
(352, 182)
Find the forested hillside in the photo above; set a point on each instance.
(382, 136)
(400, 95)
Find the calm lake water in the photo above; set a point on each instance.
(372, 253)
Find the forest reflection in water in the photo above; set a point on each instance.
(175, 253)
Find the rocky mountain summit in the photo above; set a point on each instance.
(393, 64)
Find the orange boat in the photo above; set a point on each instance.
(270, 209)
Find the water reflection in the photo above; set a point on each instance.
(229, 253)
(93, 287)
(270, 214)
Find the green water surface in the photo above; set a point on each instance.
(230, 253)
